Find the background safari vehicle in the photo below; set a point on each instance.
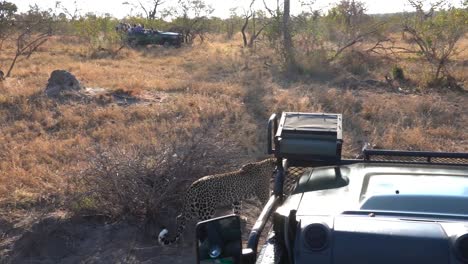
(388, 207)
(154, 37)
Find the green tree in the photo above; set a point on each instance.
(192, 19)
(310, 28)
(289, 55)
(99, 32)
(435, 35)
(7, 12)
(232, 24)
(273, 30)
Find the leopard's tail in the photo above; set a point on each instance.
(166, 240)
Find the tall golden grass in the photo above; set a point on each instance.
(46, 144)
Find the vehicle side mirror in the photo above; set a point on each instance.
(219, 240)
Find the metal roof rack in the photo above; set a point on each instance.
(415, 157)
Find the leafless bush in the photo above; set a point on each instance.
(358, 62)
(144, 181)
(31, 30)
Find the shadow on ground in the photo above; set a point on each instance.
(94, 239)
(55, 240)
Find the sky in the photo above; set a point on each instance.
(221, 7)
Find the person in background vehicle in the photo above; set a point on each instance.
(139, 29)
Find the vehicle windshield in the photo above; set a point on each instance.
(416, 194)
(416, 185)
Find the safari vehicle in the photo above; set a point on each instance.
(386, 207)
(154, 37)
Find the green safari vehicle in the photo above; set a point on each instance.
(154, 37)
(385, 207)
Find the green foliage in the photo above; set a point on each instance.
(84, 204)
(7, 10)
(309, 29)
(273, 31)
(233, 24)
(435, 36)
(191, 19)
(98, 32)
(37, 17)
(346, 21)
(444, 28)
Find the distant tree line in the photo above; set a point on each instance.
(309, 41)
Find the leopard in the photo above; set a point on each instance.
(208, 193)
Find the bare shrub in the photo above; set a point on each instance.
(31, 31)
(316, 64)
(144, 181)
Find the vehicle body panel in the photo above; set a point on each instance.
(325, 193)
(155, 38)
(376, 213)
(362, 239)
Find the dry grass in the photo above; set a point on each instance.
(219, 86)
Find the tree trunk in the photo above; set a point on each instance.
(12, 65)
(253, 37)
(439, 69)
(254, 32)
(230, 30)
(288, 48)
(244, 27)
